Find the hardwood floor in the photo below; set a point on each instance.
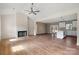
(39, 45)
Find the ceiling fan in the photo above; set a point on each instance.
(33, 10)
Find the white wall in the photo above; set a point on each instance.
(11, 23)
(78, 28)
(41, 28)
(48, 28)
(21, 21)
(35, 28)
(30, 26)
(8, 26)
(0, 27)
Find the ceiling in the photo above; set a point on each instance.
(58, 19)
(46, 9)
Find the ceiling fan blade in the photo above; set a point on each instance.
(29, 13)
(34, 13)
(37, 11)
(31, 9)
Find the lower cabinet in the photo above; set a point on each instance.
(74, 33)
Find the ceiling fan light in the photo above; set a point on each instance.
(33, 10)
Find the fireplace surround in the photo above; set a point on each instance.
(22, 33)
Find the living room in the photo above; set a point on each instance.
(51, 29)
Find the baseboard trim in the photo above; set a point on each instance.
(77, 44)
(70, 36)
(42, 33)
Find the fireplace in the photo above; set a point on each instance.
(22, 33)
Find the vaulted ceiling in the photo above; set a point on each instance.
(47, 10)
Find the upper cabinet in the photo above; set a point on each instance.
(69, 26)
(61, 24)
(74, 23)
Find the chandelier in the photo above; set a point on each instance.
(33, 10)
